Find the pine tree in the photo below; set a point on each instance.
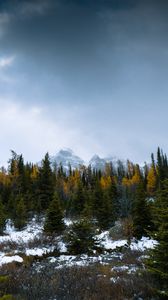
(13, 164)
(141, 213)
(45, 184)
(98, 203)
(110, 206)
(88, 206)
(105, 205)
(54, 217)
(158, 263)
(160, 167)
(81, 237)
(21, 175)
(79, 199)
(113, 196)
(21, 213)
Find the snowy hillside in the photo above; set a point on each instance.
(15, 245)
(42, 268)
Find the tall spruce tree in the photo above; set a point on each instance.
(20, 213)
(105, 205)
(21, 180)
(98, 203)
(110, 206)
(158, 263)
(45, 184)
(113, 197)
(54, 217)
(79, 199)
(160, 167)
(141, 213)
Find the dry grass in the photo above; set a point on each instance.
(96, 282)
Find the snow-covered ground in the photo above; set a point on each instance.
(139, 245)
(143, 244)
(33, 231)
(105, 241)
(4, 259)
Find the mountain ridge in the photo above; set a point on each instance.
(67, 157)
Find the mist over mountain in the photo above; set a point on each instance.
(67, 157)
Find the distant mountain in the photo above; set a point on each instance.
(99, 163)
(67, 157)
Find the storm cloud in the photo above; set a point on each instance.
(95, 69)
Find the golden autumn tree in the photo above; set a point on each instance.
(151, 181)
(152, 178)
(137, 176)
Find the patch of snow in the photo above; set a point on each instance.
(143, 244)
(32, 230)
(39, 251)
(79, 260)
(130, 269)
(8, 259)
(62, 247)
(22, 237)
(73, 260)
(105, 241)
(68, 222)
(120, 268)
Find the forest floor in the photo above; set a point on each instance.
(41, 267)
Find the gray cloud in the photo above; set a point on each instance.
(107, 61)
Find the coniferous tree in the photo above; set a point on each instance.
(113, 196)
(105, 205)
(125, 202)
(160, 167)
(109, 210)
(98, 203)
(20, 213)
(88, 206)
(158, 263)
(45, 184)
(79, 199)
(21, 175)
(54, 217)
(81, 237)
(107, 213)
(13, 164)
(141, 213)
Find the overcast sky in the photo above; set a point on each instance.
(87, 75)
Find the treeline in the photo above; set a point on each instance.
(125, 190)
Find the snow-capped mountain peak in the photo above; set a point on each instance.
(67, 157)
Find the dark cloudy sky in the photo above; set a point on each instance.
(88, 75)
